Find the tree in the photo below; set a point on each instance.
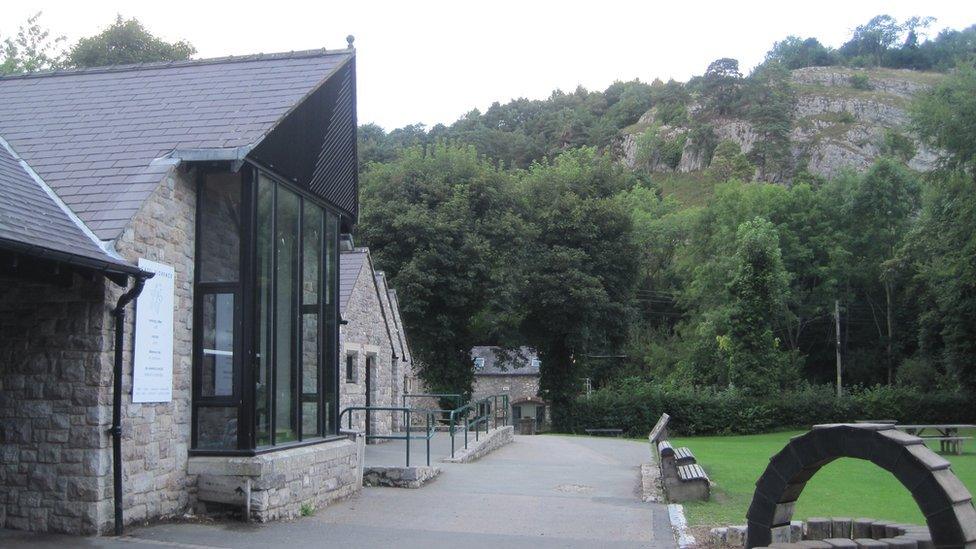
(579, 267)
(770, 99)
(942, 250)
(721, 86)
(873, 39)
(795, 53)
(882, 208)
(729, 163)
(125, 42)
(944, 118)
(757, 290)
(33, 49)
(443, 224)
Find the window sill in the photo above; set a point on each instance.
(266, 449)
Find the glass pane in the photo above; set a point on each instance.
(218, 345)
(330, 370)
(216, 428)
(220, 228)
(312, 237)
(264, 256)
(287, 215)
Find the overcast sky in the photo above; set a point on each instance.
(430, 62)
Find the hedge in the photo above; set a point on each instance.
(635, 407)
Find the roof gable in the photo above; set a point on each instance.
(95, 136)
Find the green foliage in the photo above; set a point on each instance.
(729, 163)
(944, 118)
(770, 100)
(443, 224)
(795, 53)
(757, 288)
(720, 87)
(654, 148)
(32, 49)
(307, 509)
(579, 266)
(942, 251)
(860, 82)
(125, 42)
(898, 145)
(634, 405)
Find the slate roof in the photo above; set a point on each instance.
(350, 265)
(514, 364)
(33, 220)
(93, 135)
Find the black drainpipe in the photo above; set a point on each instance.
(119, 312)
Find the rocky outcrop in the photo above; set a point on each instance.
(836, 125)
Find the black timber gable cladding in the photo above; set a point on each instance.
(320, 157)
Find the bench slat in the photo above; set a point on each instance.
(691, 472)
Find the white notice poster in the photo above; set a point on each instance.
(152, 371)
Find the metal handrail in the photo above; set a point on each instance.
(406, 436)
(487, 412)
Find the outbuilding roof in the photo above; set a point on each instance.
(100, 137)
(498, 361)
(35, 221)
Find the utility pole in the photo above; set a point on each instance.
(837, 324)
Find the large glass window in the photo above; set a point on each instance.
(277, 247)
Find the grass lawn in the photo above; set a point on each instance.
(845, 488)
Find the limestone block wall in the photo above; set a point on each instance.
(280, 482)
(55, 382)
(156, 436)
(519, 387)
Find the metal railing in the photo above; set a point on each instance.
(485, 412)
(404, 436)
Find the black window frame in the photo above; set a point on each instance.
(246, 323)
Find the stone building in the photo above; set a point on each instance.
(211, 194)
(516, 373)
(372, 345)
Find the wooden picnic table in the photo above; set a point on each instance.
(946, 433)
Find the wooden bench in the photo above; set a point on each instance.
(601, 432)
(681, 477)
(692, 484)
(680, 456)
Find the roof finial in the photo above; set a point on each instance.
(349, 40)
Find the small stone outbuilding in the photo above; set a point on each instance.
(497, 371)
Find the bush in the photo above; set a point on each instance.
(860, 82)
(635, 405)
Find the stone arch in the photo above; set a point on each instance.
(944, 501)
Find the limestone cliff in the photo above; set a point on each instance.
(836, 124)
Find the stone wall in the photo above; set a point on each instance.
(156, 436)
(56, 362)
(519, 387)
(55, 383)
(365, 335)
(280, 483)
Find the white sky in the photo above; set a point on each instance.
(432, 61)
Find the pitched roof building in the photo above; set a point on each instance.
(372, 345)
(211, 192)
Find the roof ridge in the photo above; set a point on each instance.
(132, 67)
(60, 203)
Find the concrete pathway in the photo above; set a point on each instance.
(540, 492)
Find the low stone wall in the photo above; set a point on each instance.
(491, 441)
(278, 484)
(651, 483)
(399, 477)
